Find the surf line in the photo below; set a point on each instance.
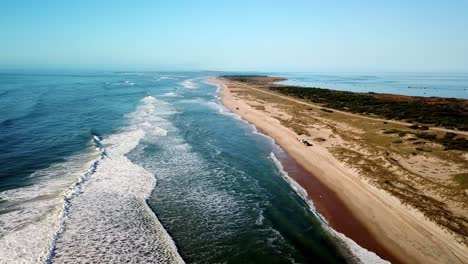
(73, 191)
(352, 251)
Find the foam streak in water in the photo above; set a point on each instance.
(34, 214)
(109, 220)
(189, 84)
(363, 255)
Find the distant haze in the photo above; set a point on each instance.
(295, 35)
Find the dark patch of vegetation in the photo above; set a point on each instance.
(422, 149)
(391, 131)
(450, 135)
(402, 133)
(296, 125)
(462, 180)
(398, 141)
(260, 107)
(427, 136)
(449, 115)
(407, 191)
(449, 141)
(242, 77)
(251, 78)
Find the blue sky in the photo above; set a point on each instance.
(294, 35)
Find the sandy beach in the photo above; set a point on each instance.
(338, 216)
(396, 232)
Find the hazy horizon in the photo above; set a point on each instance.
(298, 36)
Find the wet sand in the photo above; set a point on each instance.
(326, 202)
(370, 216)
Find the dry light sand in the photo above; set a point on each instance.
(401, 230)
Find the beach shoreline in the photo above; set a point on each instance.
(328, 205)
(399, 233)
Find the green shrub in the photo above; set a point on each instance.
(450, 115)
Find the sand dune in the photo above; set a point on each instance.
(402, 230)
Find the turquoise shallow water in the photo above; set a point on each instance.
(81, 152)
(414, 84)
(150, 167)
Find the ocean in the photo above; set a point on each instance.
(452, 85)
(147, 167)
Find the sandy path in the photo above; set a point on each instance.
(401, 230)
(354, 115)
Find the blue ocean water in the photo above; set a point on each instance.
(417, 84)
(146, 167)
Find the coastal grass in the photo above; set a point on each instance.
(462, 180)
(449, 140)
(408, 190)
(376, 149)
(449, 113)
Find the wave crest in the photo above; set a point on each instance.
(112, 208)
(189, 84)
(363, 255)
(104, 200)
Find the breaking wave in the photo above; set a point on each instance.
(102, 216)
(169, 77)
(37, 211)
(363, 255)
(171, 94)
(189, 84)
(109, 220)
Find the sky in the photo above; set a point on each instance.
(242, 35)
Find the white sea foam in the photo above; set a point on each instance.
(189, 84)
(191, 183)
(133, 73)
(33, 214)
(218, 88)
(102, 217)
(171, 94)
(129, 83)
(220, 108)
(109, 220)
(297, 188)
(225, 111)
(167, 78)
(120, 83)
(217, 105)
(363, 255)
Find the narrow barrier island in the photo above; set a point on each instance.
(373, 150)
